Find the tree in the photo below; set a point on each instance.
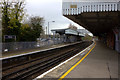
(32, 29)
(16, 17)
(36, 24)
(5, 16)
(87, 37)
(27, 34)
(12, 16)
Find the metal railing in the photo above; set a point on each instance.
(75, 8)
(15, 46)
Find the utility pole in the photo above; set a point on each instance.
(48, 28)
(46, 32)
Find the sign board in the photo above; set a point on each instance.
(9, 37)
(73, 6)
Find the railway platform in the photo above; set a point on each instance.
(96, 61)
(24, 52)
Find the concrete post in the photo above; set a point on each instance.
(119, 6)
(116, 42)
(54, 37)
(0, 41)
(119, 41)
(65, 38)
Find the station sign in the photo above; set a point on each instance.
(9, 37)
(73, 6)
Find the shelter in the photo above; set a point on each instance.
(67, 35)
(100, 17)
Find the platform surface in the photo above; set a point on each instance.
(22, 52)
(102, 62)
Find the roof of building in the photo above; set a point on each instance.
(68, 32)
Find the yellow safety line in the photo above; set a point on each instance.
(63, 76)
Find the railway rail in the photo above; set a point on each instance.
(36, 66)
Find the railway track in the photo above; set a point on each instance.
(35, 67)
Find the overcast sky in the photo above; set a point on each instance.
(51, 10)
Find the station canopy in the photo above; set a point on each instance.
(97, 16)
(67, 32)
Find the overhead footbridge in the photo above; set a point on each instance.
(102, 18)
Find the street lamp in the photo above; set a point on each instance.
(48, 28)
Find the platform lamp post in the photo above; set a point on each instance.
(48, 28)
(48, 31)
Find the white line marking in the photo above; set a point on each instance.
(88, 48)
(42, 75)
(83, 53)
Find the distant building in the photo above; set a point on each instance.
(72, 27)
(67, 35)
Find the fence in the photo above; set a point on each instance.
(14, 46)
